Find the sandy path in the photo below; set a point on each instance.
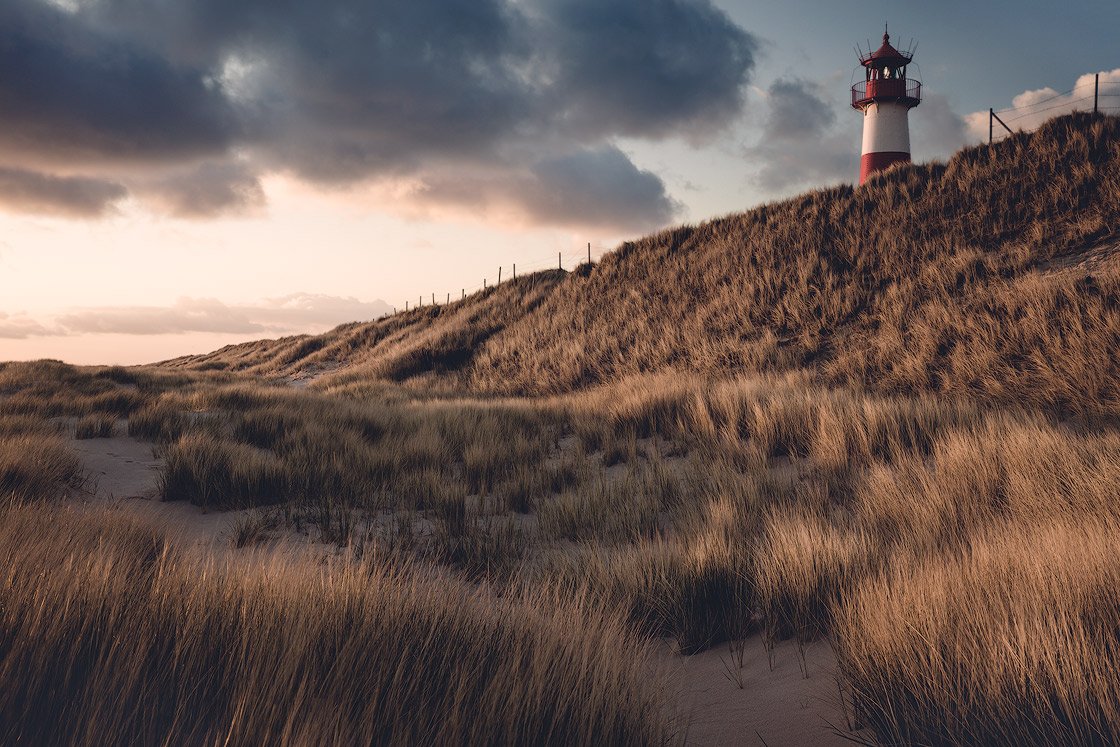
(779, 708)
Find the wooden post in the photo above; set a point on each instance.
(464, 294)
(1096, 91)
(499, 276)
(448, 296)
(406, 305)
(559, 261)
(484, 284)
(515, 271)
(1003, 124)
(588, 252)
(991, 124)
(421, 304)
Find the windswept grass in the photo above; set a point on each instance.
(35, 464)
(275, 653)
(1010, 641)
(96, 425)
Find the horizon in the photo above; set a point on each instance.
(240, 187)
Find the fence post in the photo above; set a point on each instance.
(588, 252)
(484, 284)
(559, 261)
(464, 294)
(1096, 91)
(433, 299)
(406, 305)
(448, 296)
(1002, 123)
(499, 276)
(991, 124)
(420, 305)
(515, 271)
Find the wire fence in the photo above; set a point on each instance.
(1091, 95)
(566, 261)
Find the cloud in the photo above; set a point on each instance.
(211, 189)
(646, 68)
(600, 187)
(300, 312)
(797, 111)
(937, 131)
(77, 197)
(301, 309)
(1031, 108)
(72, 94)
(20, 327)
(800, 143)
(187, 104)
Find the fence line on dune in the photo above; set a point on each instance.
(1090, 91)
(563, 261)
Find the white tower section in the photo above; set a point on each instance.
(886, 129)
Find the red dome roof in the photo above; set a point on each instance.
(886, 53)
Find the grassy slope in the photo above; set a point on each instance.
(958, 278)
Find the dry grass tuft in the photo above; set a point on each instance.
(97, 425)
(37, 466)
(267, 652)
(1011, 641)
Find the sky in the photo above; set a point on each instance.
(177, 176)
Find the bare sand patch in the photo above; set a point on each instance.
(124, 476)
(795, 704)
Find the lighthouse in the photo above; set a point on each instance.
(885, 97)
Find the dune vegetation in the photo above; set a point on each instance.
(900, 435)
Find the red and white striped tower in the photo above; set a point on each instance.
(885, 97)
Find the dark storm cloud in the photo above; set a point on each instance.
(69, 93)
(78, 197)
(647, 67)
(801, 143)
(349, 90)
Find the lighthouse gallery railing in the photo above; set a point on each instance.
(866, 90)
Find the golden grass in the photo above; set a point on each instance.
(728, 506)
(95, 425)
(36, 466)
(1010, 641)
(112, 638)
